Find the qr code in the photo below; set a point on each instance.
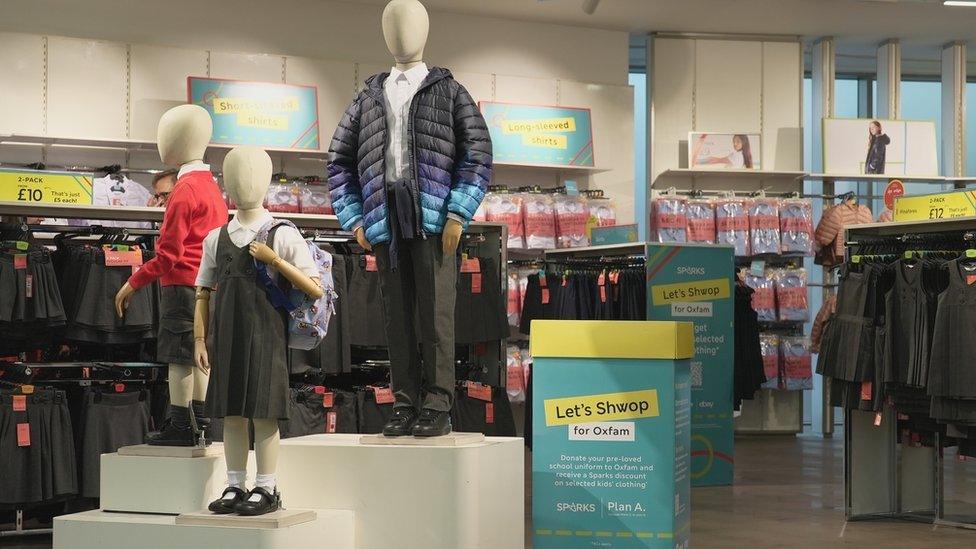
(696, 374)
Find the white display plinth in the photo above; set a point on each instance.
(156, 484)
(412, 496)
(330, 529)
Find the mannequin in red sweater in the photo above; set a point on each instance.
(195, 207)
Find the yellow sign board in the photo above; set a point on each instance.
(604, 407)
(935, 206)
(698, 290)
(45, 187)
(539, 125)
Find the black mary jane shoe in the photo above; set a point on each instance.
(225, 505)
(268, 503)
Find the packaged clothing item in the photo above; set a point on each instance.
(490, 417)
(30, 298)
(514, 374)
(795, 353)
(829, 235)
(513, 305)
(539, 215)
(333, 355)
(372, 415)
(602, 212)
(769, 346)
(37, 448)
(314, 198)
(283, 197)
(701, 221)
(111, 420)
(669, 219)
(118, 191)
(796, 226)
(764, 237)
(367, 319)
(732, 225)
(479, 312)
(763, 296)
(316, 410)
(506, 208)
(791, 294)
(572, 214)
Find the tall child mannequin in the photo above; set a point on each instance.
(248, 347)
(195, 208)
(410, 162)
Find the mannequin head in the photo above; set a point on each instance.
(405, 27)
(183, 134)
(247, 175)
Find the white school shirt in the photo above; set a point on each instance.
(398, 91)
(288, 244)
(737, 160)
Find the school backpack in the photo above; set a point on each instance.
(308, 318)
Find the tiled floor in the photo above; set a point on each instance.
(789, 492)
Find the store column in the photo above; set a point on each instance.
(823, 107)
(889, 80)
(954, 110)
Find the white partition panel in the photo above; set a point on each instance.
(673, 83)
(782, 127)
(158, 83)
(521, 89)
(21, 62)
(728, 86)
(246, 66)
(336, 83)
(87, 90)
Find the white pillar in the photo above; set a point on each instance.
(954, 109)
(822, 415)
(889, 80)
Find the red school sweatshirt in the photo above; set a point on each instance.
(195, 208)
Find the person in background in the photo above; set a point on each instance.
(162, 185)
(878, 142)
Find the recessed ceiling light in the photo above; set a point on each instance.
(966, 3)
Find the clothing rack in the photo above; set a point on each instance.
(885, 479)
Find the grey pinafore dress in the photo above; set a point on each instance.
(248, 344)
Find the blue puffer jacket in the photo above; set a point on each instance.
(451, 161)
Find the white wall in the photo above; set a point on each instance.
(725, 86)
(128, 62)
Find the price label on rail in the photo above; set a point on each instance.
(947, 205)
(45, 187)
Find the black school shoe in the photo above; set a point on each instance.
(171, 435)
(432, 423)
(224, 505)
(268, 503)
(401, 422)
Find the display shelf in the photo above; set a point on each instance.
(128, 144)
(877, 177)
(630, 248)
(577, 169)
(729, 172)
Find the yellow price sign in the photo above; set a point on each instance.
(935, 206)
(45, 187)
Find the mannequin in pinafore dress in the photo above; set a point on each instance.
(245, 345)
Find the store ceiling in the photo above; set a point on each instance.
(858, 25)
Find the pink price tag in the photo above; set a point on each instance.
(545, 296)
(131, 258)
(371, 264)
(23, 434)
(877, 419)
(479, 391)
(29, 286)
(330, 422)
(476, 283)
(471, 265)
(384, 395)
(865, 390)
(319, 389)
(120, 387)
(20, 261)
(489, 413)
(328, 399)
(20, 403)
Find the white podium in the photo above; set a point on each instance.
(419, 494)
(412, 495)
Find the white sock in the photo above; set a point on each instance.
(236, 479)
(267, 482)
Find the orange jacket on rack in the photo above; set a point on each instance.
(830, 231)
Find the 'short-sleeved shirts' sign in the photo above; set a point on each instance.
(280, 116)
(539, 135)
